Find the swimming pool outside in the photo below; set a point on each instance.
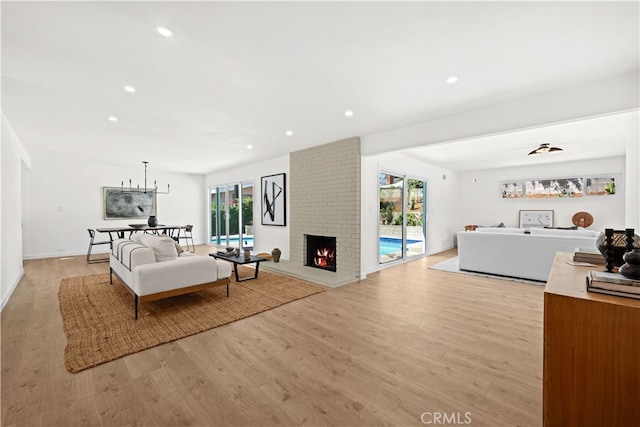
(247, 241)
(388, 245)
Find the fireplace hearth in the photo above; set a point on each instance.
(321, 252)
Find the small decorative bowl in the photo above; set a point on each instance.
(230, 249)
(137, 225)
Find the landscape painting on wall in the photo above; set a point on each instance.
(571, 188)
(119, 204)
(601, 185)
(512, 190)
(554, 188)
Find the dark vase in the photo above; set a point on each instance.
(617, 247)
(275, 253)
(153, 221)
(631, 266)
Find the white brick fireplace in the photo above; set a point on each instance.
(325, 201)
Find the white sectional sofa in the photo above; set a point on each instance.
(518, 252)
(150, 268)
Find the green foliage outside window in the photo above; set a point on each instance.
(414, 220)
(247, 215)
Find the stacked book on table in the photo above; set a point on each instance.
(592, 256)
(613, 284)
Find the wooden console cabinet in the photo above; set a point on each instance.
(591, 353)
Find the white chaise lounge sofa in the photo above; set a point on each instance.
(518, 252)
(150, 268)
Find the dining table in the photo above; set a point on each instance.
(172, 231)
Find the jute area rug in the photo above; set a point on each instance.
(99, 322)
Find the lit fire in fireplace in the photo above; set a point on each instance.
(324, 257)
(321, 252)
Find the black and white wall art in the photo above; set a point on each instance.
(575, 187)
(274, 201)
(120, 204)
(536, 218)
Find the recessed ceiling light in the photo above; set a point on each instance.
(249, 147)
(112, 118)
(165, 31)
(452, 80)
(348, 113)
(129, 89)
(289, 133)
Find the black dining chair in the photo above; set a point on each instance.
(92, 243)
(188, 236)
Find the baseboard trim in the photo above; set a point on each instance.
(437, 251)
(6, 298)
(61, 254)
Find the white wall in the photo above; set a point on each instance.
(481, 202)
(442, 203)
(632, 212)
(65, 198)
(13, 159)
(265, 237)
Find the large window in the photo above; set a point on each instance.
(232, 215)
(402, 214)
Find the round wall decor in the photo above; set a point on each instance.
(582, 219)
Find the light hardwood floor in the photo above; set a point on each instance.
(404, 342)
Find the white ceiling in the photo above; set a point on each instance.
(595, 138)
(242, 73)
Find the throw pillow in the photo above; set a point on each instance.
(163, 248)
(491, 226)
(135, 237)
(179, 248)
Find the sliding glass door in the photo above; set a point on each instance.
(232, 215)
(246, 215)
(391, 232)
(402, 214)
(416, 212)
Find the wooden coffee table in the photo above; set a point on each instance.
(240, 260)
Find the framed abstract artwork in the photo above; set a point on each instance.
(119, 204)
(274, 200)
(536, 218)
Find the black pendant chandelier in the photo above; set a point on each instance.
(145, 189)
(544, 148)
